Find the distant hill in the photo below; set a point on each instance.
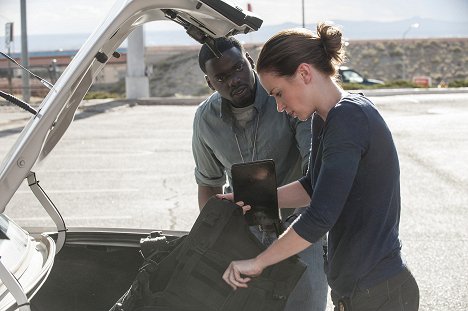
(353, 30)
(365, 30)
(441, 59)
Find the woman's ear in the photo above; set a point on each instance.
(305, 72)
(209, 83)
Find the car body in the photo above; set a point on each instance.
(86, 268)
(348, 75)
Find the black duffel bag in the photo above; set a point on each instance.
(186, 274)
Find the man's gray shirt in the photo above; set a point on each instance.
(279, 136)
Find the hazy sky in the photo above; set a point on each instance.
(83, 16)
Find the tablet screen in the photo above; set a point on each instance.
(254, 183)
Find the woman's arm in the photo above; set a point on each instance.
(292, 195)
(289, 196)
(290, 243)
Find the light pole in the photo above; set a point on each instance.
(53, 70)
(8, 40)
(403, 37)
(303, 15)
(24, 52)
(415, 25)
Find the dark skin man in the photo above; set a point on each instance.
(233, 77)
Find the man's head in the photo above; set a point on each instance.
(232, 74)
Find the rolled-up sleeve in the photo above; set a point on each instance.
(208, 170)
(345, 139)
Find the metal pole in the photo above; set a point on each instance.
(136, 81)
(10, 75)
(8, 40)
(405, 58)
(303, 15)
(24, 53)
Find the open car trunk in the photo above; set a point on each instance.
(90, 268)
(91, 272)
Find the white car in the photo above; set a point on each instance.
(50, 270)
(348, 75)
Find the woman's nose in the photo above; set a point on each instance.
(279, 106)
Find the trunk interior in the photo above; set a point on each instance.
(88, 278)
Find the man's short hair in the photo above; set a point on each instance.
(222, 44)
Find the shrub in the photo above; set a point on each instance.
(397, 84)
(458, 83)
(101, 95)
(397, 52)
(356, 86)
(203, 90)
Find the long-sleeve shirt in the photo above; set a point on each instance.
(353, 182)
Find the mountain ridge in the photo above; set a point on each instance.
(352, 30)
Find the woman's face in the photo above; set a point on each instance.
(290, 94)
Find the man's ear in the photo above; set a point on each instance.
(251, 61)
(209, 83)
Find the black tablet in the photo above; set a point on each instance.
(254, 183)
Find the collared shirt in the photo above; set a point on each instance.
(354, 184)
(277, 136)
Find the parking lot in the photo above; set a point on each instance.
(131, 165)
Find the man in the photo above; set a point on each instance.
(239, 123)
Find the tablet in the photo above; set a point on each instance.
(254, 183)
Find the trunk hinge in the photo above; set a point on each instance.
(50, 209)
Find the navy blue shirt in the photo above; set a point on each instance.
(354, 184)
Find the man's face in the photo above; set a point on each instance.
(232, 76)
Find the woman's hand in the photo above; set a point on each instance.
(230, 197)
(234, 274)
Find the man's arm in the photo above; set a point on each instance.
(206, 192)
(303, 135)
(209, 172)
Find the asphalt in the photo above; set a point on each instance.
(195, 100)
(10, 115)
(103, 174)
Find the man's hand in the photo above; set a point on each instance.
(226, 196)
(230, 197)
(234, 274)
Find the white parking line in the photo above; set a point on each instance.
(83, 191)
(68, 218)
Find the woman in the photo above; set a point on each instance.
(352, 186)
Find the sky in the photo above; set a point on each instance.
(83, 16)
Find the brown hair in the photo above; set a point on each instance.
(286, 50)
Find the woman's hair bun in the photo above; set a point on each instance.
(331, 38)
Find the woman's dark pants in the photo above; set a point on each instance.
(398, 293)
